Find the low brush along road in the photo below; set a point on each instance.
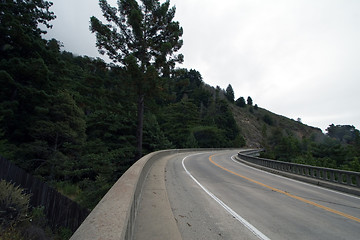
(213, 196)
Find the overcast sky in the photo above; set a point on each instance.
(296, 58)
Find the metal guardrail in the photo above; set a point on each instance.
(325, 174)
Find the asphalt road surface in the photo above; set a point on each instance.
(213, 196)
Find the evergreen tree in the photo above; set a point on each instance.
(240, 102)
(20, 35)
(142, 36)
(177, 120)
(344, 133)
(194, 77)
(229, 94)
(249, 101)
(209, 137)
(58, 132)
(225, 121)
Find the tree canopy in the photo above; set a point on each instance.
(145, 32)
(249, 101)
(229, 93)
(240, 102)
(20, 34)
(344, 133)
(143, 37)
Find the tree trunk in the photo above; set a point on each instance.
(139, 133)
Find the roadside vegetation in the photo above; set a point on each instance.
(20, 221)
(339, 148)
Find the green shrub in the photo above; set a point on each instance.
(38, 217)
(64, 233)
(16, 222)
(68, 189)
(239, 141)
(209, 136)
(14, 204)
(267, 119)
(10, 233)
(93, 191)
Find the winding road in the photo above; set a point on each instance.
(214, 196)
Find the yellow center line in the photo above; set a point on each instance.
(287, 194)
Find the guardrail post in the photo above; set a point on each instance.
(348, 179)
(337, 178)
(332, 176)
(328, 175)
(341, 178)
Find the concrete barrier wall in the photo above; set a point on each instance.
(114, 216)
(335, 176)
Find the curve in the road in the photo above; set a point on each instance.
(286, 193)
(277, 207)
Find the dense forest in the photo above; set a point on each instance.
(73, 120)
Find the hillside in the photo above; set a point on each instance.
(258, 125)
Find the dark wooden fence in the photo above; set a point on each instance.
(60, 210)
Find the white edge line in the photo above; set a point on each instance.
(304, 183)
(253, 229)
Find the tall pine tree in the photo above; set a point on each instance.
(230, 95)
(142, 37)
